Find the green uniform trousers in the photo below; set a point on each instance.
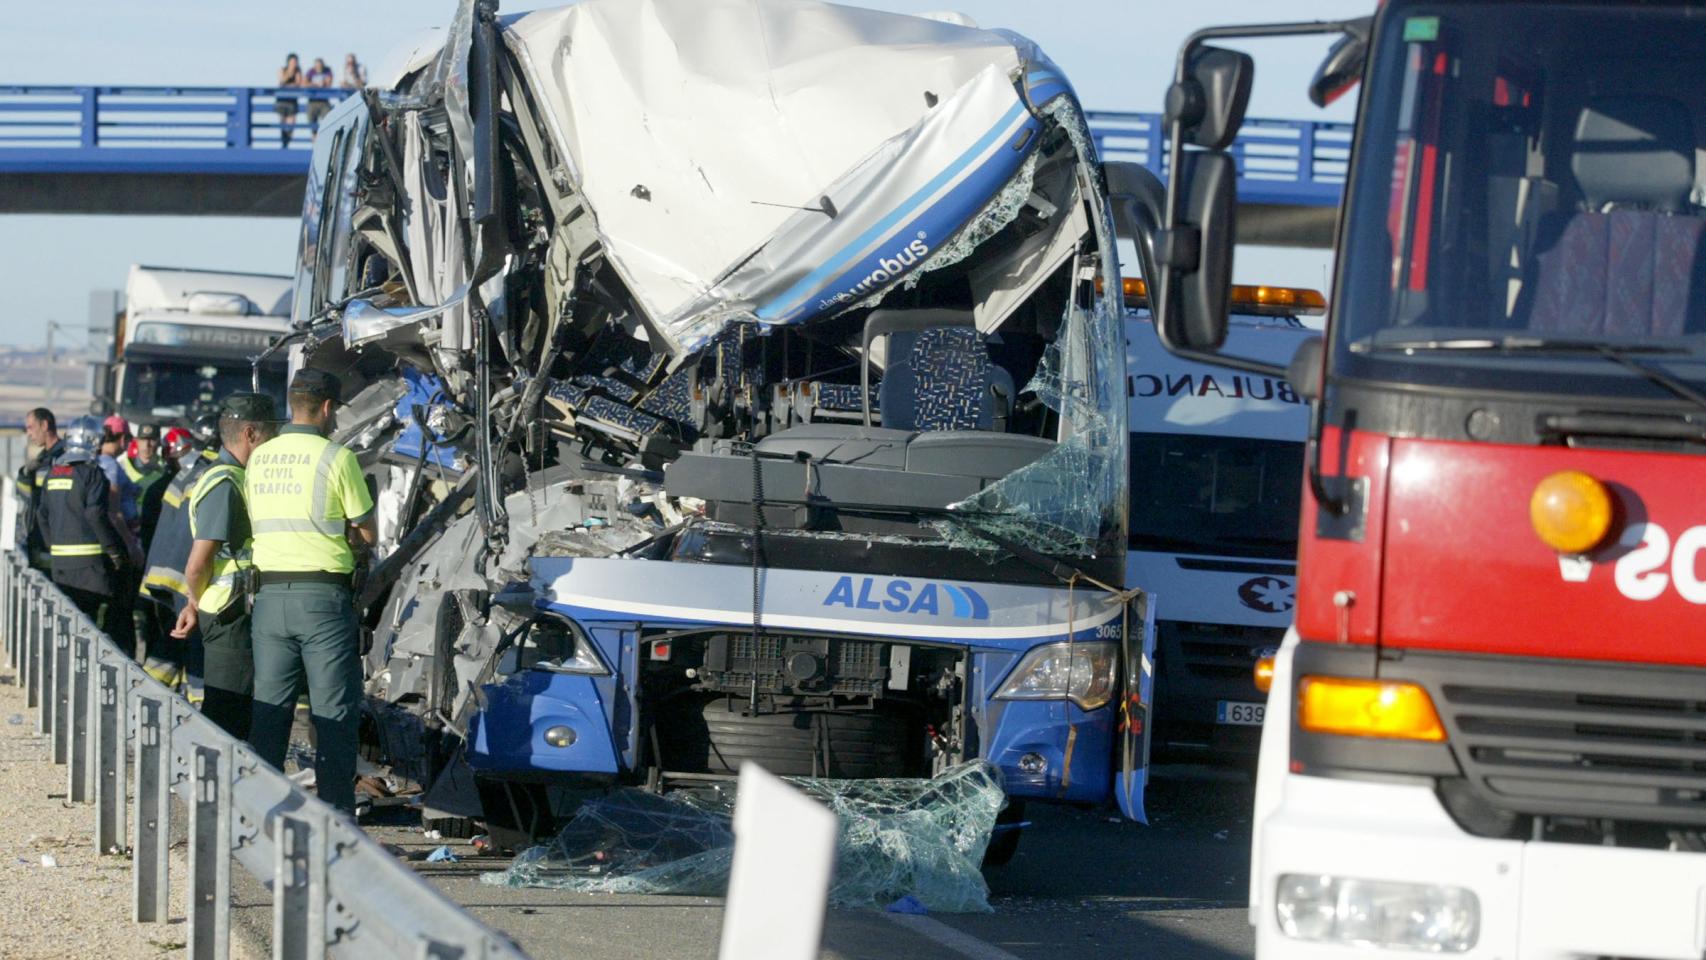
(228, 670)
(307, 635)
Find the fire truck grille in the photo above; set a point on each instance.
(1633, 749)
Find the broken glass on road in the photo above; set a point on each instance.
(899, 837)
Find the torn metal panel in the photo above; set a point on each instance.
(859, 131)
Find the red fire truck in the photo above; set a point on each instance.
(1486, 734)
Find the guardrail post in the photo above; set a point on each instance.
(77, 767)
(210, 855)
(153, 784)
(61, 705)
(39, 656)
(109, 754)
(299, 889)
(8, 583)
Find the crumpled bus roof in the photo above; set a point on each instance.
(773, 159)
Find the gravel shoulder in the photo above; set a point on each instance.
(81, 906)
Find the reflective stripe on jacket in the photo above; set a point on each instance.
(231, 557)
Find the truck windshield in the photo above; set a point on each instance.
(185, 390)
(1225, 496)
(1504, 197)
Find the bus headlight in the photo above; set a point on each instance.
(1382, 913)
(1081, 672)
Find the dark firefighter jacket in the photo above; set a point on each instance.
(75, 519)
(169, 550)
(31, 477)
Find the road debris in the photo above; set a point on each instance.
(900, 839)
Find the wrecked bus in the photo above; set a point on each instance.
(734, 385)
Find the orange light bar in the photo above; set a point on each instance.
(1367, 708)
(1289, 301)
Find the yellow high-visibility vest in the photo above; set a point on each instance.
(232, 557)
(297, 504)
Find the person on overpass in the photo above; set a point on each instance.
(218, 569)
(290, 75)
(43, 432)
(308, 501)
(89, 557)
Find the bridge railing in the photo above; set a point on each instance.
(240, 130)
(87, 129)
(1279, 161)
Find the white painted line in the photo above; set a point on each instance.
(963, 944)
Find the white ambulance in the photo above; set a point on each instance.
(1216, 462)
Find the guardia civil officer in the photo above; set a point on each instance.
(307, 501)
(215, 575)
(89, 557)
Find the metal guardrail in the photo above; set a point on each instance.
(228, 130)
(237, 130)
(335, 890)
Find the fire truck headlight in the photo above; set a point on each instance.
(1367, 708)
(1571, 512)
(1380, 913)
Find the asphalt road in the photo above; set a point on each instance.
(1081, 886)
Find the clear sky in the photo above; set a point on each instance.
(1119, 54)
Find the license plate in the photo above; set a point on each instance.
(1242, 714)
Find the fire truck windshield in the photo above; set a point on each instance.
(1515, 222)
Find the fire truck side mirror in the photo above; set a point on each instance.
(1304, 370)
(1342, 67)
(1194, 257)
(1209, 102)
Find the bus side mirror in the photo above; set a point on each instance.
(1342, 67)
(1208, 103)
(1304, 370)
(1139, 203)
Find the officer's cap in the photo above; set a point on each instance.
(148, 431)
(317, 383)
(249, 407)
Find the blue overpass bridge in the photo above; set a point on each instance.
(229, 151)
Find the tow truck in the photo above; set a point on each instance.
(187, 338)
(1486, 733)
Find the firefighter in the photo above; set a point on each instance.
(217, 571)
(90, 558)
(150, 471)
(169, 659)
(43, 432)
(308, 502)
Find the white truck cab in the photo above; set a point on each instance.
(188, 338)
(1216, 457)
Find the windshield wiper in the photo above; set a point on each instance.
(1513, 344)
(1620, 355)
